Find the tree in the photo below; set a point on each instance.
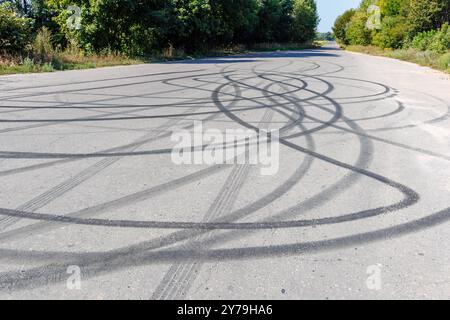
(269, 15)
(357, 32)
(195, 24)
(203, 24)
(391, 8)
(237, 19)
(426, 15)
(394, 30)
(275, 21)
(341, 25)
(21, 7)
(15, 31)
(305, 20)
(142, 27)
(284, 24)
(133, 27)
(41, 15)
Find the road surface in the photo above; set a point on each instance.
(93, 205)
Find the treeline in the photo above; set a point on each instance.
(143, 27)
(419, 24)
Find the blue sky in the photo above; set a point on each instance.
(329, 10)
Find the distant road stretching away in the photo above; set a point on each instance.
(88, 185)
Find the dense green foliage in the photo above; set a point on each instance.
(305, 20)
(428, 15)
(341, 26)
(14, 30)
(145, 27)
(435, 40)
(357, 33)
(422, 24)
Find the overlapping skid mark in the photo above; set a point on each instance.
(179, 277)
(410, 197)
(101, 117)
(178, 280)
(70, 184)
(118, 202)
(333, 121)
(381, 95)
(236, 253)
(279, 191)
(55, 272)
(364, 160)
(89, 106)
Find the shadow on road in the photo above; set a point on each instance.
(248, 58)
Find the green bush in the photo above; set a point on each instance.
(47, 67)
(357, 32)
(28, 65)
(422, 40)
(149, 27)
(434, 40)
(392, 34)
(341, 25)
(425, 15)
(441, 41)
(46, 30)
(15, 32)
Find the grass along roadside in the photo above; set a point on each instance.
(63, 61)
(438, 61)
(76, 60)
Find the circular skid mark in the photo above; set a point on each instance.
(410, 197)
(261, 90)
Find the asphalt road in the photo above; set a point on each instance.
(359, 206)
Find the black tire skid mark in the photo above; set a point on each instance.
(302, 170)
(187, 278)
(319, 199)
(135, 197)
(39, 277)
(179, 278)
(71, 183)
(219, 253)
(59, 121)
(411, 197)
(100, 80)
(278, 192)
(36, 155)
(40, 124)
(167, 81)
(335, 115)
(21, 155)
(34, 167)
(40, 94)
(397, 144)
